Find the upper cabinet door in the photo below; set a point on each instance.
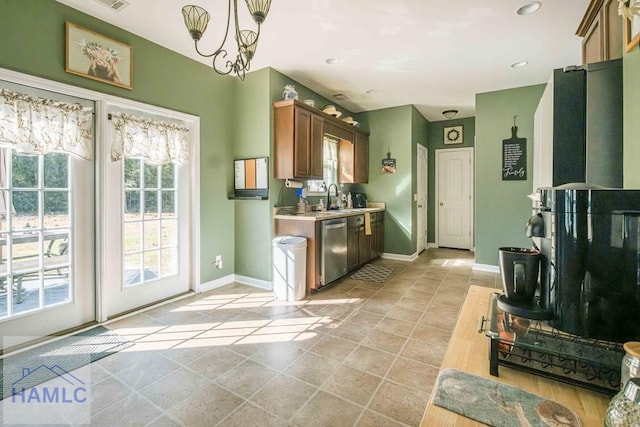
(361, 167)
(317, 136)
(601, 30)
(302, 143)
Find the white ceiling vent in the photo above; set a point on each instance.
(114, 4)
(340, 96)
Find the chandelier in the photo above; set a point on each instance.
(196, 20)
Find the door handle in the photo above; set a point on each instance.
(419, 206)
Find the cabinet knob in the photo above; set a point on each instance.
(441, 204)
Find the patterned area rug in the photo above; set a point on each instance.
(56, 359)
(496, 404)
(373, 273)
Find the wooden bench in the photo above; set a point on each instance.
(24, 268)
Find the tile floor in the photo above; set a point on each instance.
(357, 354)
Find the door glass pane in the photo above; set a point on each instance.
(55, 170)
(35, 231)
(132, 173)
(150, 241)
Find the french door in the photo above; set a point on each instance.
(146, 233)
(47, 279)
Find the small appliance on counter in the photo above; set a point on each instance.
(359, 200)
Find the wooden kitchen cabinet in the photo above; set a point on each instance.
(353, 159)
(601, 30)
(353, 249)
(298, 134)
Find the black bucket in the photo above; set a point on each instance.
(519, 268)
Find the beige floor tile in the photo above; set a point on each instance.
(251, 415)
(352, 384)
(246, 378)
(108, 392)
(277, 355)
(395, 327)
(413, 374)
(352, 331)
(199, 411)
(404, 314)
(384, 341)
(174, 388)
(333, 347)
(370, 360)
(146, 370)
(366, 354)
(216, 362)
(429, 352)
(400, 403)
(312, 368)
(327, 410)
(133, 411)
(373, 419)
(452, 300)
(283, 395)
(441, 316)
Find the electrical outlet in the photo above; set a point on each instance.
(218, 262)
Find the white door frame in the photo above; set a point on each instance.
(100, 125)
(422, 171)
(471, 193)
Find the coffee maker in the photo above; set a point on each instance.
(589, 242)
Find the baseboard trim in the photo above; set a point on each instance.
(234, 278)
(432, 245)
(217, 283)
(486, 267)
(400, 257)
(256, 283)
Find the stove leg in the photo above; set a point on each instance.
(493, 357)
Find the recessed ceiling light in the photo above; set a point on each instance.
(529, 8)
(519, 64)
(332, 61)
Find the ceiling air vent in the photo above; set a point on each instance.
(340, 97)
(114, 4)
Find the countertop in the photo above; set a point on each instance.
(468, 351)
(324, 215)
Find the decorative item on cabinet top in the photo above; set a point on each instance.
(630, 10)
(289, 92)
(251, 179)
(331, 110)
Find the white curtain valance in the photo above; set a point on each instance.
(156, 142)
(35, 125)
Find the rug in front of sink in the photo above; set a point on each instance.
(373, 273)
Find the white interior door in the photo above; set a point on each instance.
(147, 233)
(421, 199)
(455, 197)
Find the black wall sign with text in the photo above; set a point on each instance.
(514, 157)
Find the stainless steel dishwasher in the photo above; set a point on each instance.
(334, 250)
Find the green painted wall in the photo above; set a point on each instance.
(436, 142)
(391, 129)
(419, 135)
(631, 111)
(502, 207)
(253, 229)
(33, 42)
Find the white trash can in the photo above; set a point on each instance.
(289, 267)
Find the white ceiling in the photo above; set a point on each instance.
(434, 54)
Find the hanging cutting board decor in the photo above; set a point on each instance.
(514, 157)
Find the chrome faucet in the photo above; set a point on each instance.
(329, 195)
